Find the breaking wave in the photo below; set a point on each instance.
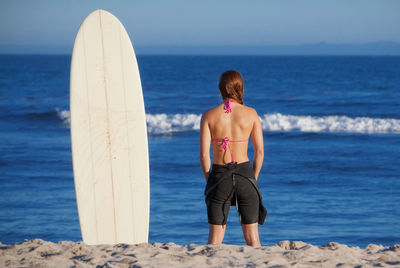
(169, 123)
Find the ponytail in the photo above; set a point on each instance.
(231, 86)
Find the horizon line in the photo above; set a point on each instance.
(379, 48)
(214, 54)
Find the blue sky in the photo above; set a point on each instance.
(51, 24)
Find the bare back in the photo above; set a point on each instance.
(236, 125)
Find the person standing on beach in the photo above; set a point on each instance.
(232, 179)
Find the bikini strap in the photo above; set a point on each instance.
(226, 145)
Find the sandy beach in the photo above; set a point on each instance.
(40, 253)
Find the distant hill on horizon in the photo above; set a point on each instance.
(387, 48)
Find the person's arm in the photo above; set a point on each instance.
(258, 144)
(205, 140)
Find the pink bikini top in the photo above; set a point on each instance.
(226, 141)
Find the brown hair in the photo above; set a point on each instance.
(231, 86)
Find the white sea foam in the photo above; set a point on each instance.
(163, 123)
(168, 123)
(64, 115)
(332, 123)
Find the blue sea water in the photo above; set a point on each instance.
(331, 132)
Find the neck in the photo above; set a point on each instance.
(230, 100)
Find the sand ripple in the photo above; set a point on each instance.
(39, 253)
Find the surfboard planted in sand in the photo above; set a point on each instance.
(108, 134)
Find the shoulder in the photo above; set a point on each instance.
(251, 111)
(208, 113)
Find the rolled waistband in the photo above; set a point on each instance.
(245, 169)
(232, 166)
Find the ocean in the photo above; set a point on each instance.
(331, 129)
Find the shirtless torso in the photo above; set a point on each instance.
(236, 123)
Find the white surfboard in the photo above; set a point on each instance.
(108, 134)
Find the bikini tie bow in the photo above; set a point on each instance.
(227, 107)
(225, 143)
